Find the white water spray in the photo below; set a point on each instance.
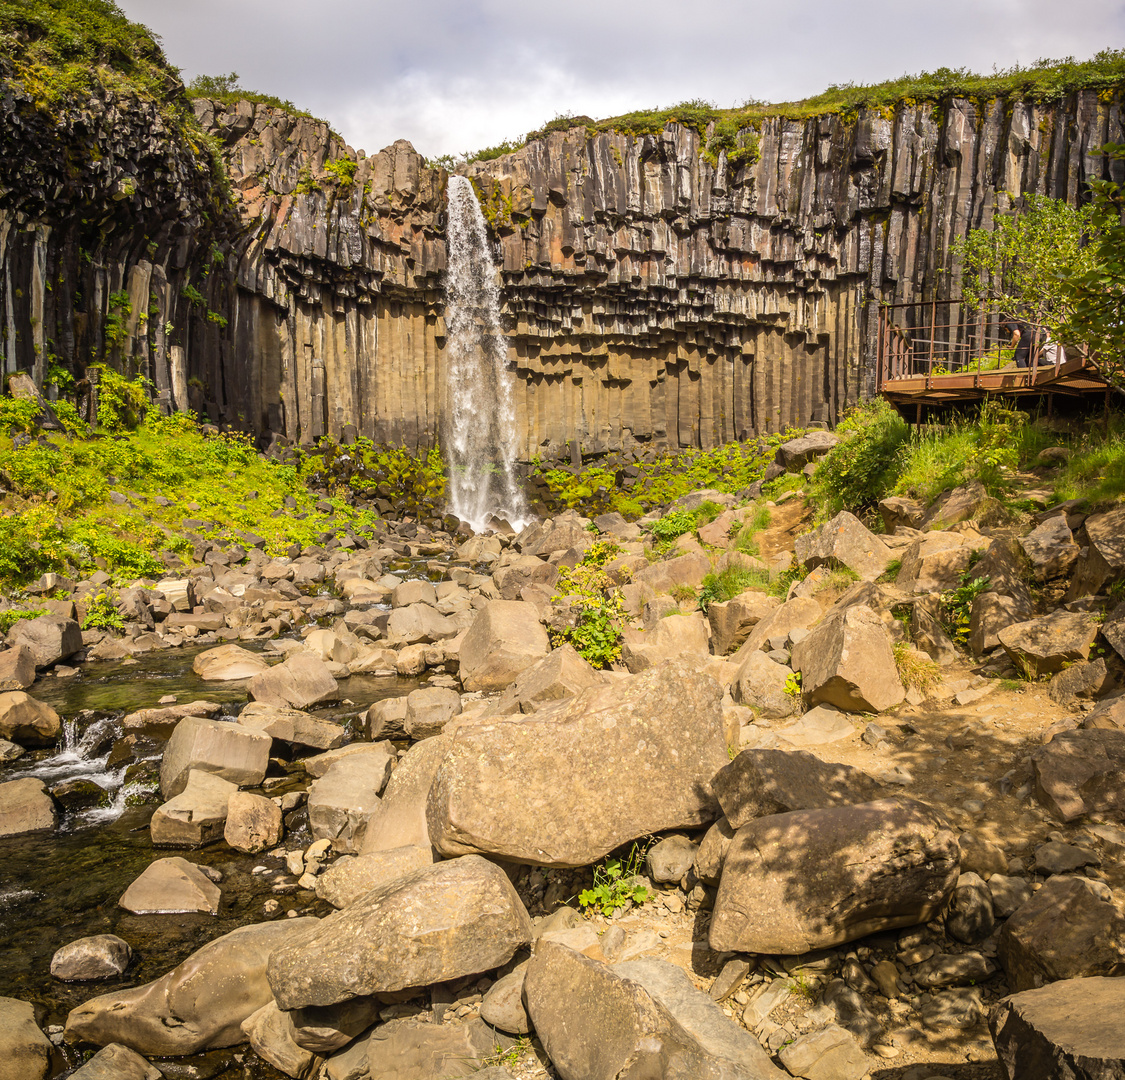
(480, 435)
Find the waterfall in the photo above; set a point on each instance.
(480, 435)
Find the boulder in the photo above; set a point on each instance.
(927, 632)
(830, 1053)
(960, 504)
(813, 879)
(302, 680)
(17, 668)
(418, 624)
(844, 541)
(437, 924)
(596, 1024)
(1067, 930)
(26, 721)
(25, 1052)
(1069, 1029)
(414, 592)
(342, 801)
(818, 727)
(970, 918)
(171, 885)
(253, 823)
(380, 754)
(659, 735)
(795, 454)
(675, 636)
(799, 613)
(1080, 772)
(198, 1005)
(400, 818)
(1085, 679)
(769, 688)
(428, 711)
(333, 646)
(847, 661)
(410, 1049)
(227, 663)
(26, 807)
(713, 851)
(49, 638)
(1050, 548)
(991, 613)
(670, 859)
(351, 877)
(161, 722)
(196, 816)
(934, 563)
(101, 956)
(1043, 646)
(898, 512)
(760, 783)
(502, 1006)
(561, 674)
(292, 726)
(699, 1016)
(117, 1062)
(523, 573)
(323, 1029)
(270, 1034)
(1102, 562)
(506, 638)
(236, 753)
(733, 620)
(953, 969)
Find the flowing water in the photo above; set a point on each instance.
(480, 435)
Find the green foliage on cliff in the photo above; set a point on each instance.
(62, 49)
(226, 90)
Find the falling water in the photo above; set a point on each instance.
(481, 429)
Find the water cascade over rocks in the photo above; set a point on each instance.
(480, 436)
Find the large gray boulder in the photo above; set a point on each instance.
(342, 801)
(672, 637)
(349, 878)
(813, 879)
(732, 621)
(1070, 928)
(797, 614)
(1080, 772)
(292, 726)
(253, 822)
(429, 709)
(400, 818)
(270, 1034)
(934, 563)
(847, 661)
(1050, 548)
(198, 1005)
(960, 504)
(437, 924)
(302, 680)
(25, 1052)
(196, 816)
(597, 1024)
(1046, 645)
(100, 956)
(226, 663)
(171, 885)
(26, 721)
(797, 453)
(769, 688)
(1102, 563)
(844, 541)
(659, 736)
(236, 753)
(506, 638)
(412, 1049)
(759, 783)
(25, 807)
(418, 624)
(17, 668)
(561, 674)
(49, 638)
(117, 1062)
(1070, 1029)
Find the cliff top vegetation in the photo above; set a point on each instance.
(1045, 80)
(226, 89)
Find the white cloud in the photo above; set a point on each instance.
(453, 75)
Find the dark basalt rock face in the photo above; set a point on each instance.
(652, 299)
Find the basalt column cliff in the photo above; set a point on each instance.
(650, 297)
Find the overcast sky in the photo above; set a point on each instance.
(456, 75)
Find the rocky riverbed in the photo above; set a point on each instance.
(335, 814)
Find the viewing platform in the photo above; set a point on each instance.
(934, 362)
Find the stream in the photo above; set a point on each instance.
(59, 887)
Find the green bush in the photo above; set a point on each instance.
(122, 403)
(102, 614)
(863, 467)
(673, 525)
(18, 416)
(10, 616)
(616, 884)
(596, 604)
(729, 583)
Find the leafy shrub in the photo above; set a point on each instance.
(596, 607)
(729, 583)
(10, 616)
(343, 169)
(122, 403)
(615, 884)
(18, 416)
(706, 512)
(862, 468)
(957, 605)
(102, 614)
(673, 525)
